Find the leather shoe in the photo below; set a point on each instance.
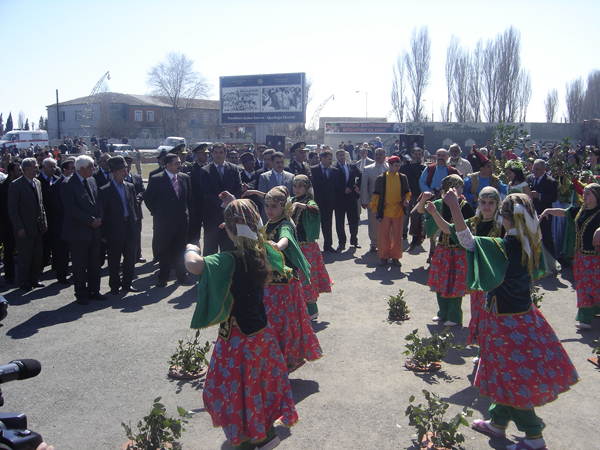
(185, 281)
(81, 300)
(26, 287)
(356, 246)
(397, 262)
(141, 260)
(330, 249)
(38, 285)
(341, 248)
(63, 281)
(130, 289)
(161, 283)
(98, 296)
(383, 262)
(373, 249)
(114, 291)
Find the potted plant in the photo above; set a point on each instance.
(537, 298)
(157, 431)
(596, 351)
(425, 355)
(433, 431)
(397, 307)
(189, 361)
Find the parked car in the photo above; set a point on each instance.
(171, 142)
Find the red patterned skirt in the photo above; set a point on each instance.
(319, 277)
(448, 272)
(586, 269)
(247, 387)
(523, 364)
(478, 299)
(289, 320)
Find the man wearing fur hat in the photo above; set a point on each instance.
(119, 225)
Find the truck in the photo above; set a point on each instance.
(24, 139)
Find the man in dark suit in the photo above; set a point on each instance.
(169, 199)
(47, 178)
(138, 185)
(26, 211)
(266, 166)
(260, 163)
(102, 175)
(219, 176)
(298, 165)
(544, 192)
(201, 153)
(8, 238)
(346, 199)
(119, 225)
(161, 164)
(326, 184)
(81, 228)
(60, 247)
(249, 178)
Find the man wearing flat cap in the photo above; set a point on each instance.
(201, 153)
(119, 225)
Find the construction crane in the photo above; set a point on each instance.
(317, 114)
(88, 110)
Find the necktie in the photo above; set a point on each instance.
(87, 189)
(327, 173)
(220, 170)
(175, 185)
(279, 180)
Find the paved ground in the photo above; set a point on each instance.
(104, 363)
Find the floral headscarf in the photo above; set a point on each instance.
(243, 220)
(280, 195)
(452, 181)
(304, 181)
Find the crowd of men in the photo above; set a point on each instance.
(89, 212)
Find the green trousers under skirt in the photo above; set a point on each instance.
(247, 445)
(312, 308)
(526, 420)
(586, 315)
(450, 308)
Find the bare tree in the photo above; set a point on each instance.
(524, 94)
(21, 120)
(591, 100)
(398, 95)
(574, 100)
(489, 81)
(176, 80)
(551, 105)
(475, 81)
(460, 94)
(444, 113)
(452, 54)
(418, 72)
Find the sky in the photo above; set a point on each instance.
(342, 46)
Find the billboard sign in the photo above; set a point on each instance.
(365, 128)
(270, 98)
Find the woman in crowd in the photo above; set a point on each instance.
(485, 222)
(582, 241)
(448, 271)
(307, 218)
(523, 364)
(516, 176)
(247, 387)
(284, 298)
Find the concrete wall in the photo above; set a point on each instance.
(465, 134)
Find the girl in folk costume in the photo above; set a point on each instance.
(485, 222)
(307, 218)
(523, 364)
(247, 387)
(582, 241)
(284, 299)
(448, 270)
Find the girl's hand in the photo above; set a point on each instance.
(451, 197)
(430, 208)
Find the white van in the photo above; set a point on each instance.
(24, 138)
(170, 142)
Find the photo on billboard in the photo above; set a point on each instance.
(268, 98)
